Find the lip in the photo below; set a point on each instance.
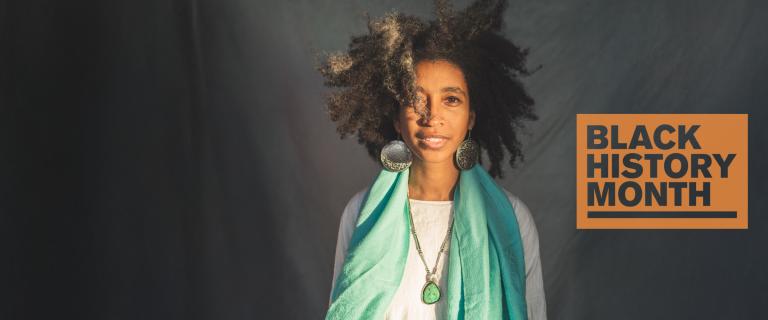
(432, 141)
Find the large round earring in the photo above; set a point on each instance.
(396, 156)
(468, 153)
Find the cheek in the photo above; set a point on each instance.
(408, 122)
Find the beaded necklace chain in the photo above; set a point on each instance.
(430, 293)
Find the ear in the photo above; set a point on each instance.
(471, 119)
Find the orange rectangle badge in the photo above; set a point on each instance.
(661, 171)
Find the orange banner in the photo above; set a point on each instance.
(661, 171)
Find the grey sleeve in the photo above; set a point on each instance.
(534, 283)
(346, 228)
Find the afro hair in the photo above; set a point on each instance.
(375, 76)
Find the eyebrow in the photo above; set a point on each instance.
(454, 90)
(447, 89)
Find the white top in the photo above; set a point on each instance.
(431, 221)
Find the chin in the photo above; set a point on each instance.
(432, 156)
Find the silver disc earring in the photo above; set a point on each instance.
(468, 153)
(396, 156)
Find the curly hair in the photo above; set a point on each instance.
(375, 76)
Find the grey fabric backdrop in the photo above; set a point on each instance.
(172, 159)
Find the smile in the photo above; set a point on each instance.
(435, 142)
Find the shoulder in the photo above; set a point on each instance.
(525, 221)
(352, 209)
(357, 199)
(528, 234)
(522, 211)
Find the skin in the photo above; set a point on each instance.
(443, 93)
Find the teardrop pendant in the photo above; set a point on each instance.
(430, 293)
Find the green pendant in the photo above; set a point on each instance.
(430, 293)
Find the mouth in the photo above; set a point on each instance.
(432, 141)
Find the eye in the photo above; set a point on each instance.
(452, 100)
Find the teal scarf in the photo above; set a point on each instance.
(486, 270)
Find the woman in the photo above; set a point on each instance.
(434, 237)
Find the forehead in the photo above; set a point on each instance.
(434, 75)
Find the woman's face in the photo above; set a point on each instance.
(435, 126)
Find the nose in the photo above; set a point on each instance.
(432, 115)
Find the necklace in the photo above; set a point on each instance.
(430, 293)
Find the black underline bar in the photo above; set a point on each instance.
(661, 214)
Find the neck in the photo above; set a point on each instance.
(432, 181)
